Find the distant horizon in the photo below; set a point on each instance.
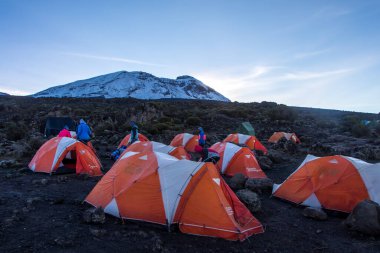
(231, 101)
(317, 54)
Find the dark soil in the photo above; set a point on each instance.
(39, 215)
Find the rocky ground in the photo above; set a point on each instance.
(42, 213)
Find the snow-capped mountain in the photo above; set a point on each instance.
(4, 94)
(139, 85)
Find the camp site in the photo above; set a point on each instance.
(61, 194)
(189, 126)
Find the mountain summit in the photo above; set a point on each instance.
(135, 84)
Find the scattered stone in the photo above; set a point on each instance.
(264, 162)
(8, 222)
(251, 199)
(237, 182)
(3, 201)
(376, 154)
(276, 156)
(259, 184)
(8, 175)
(365, 218)
(57, 201)
(23, 170)
(17, 215)
(7, 163)
(62, 179)
(321, 149)
(43, 181)
(98, 232)
(84, 176)
(142, 234)
(290, 147)
(31, 201)
(314, 213)
(117, 234)
(94, 215)
(157, 245)
(63, 242)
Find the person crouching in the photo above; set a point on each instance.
(207, 154)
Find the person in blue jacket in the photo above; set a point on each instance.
(201, 137)
(83, 132)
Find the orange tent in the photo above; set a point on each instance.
(235, 159)
(276, 136)
(65, 152)
(332, 182)
(125, 141)
(156, 187)
(189, 141)
(248, 140)
(145, 146)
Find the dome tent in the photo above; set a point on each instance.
(247, 140)
(333, 182)
(177, 152)
(159, 188)
(188, 141)
(235, 159)
(276, 136)
(64, 152)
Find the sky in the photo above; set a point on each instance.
(323, 54)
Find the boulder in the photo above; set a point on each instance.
(259, 184)
(314, 213)
(251, 199)
(264, 162)
(94, 215)
(376, 154)
(365, 218)
(237, 182)
(7, 163)
(98, 232)
(277, 156)
(290, 147)
(64, 242)
(321, 149)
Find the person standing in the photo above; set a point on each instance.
(201, 137)
(134, 133)
(83, 132)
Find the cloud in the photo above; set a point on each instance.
(117, 59)
(300, 76)
(270, 83)
(330, 12)
(311, 54)
(14, 91)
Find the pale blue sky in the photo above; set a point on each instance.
(322, 54)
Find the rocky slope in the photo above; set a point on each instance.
(44, 213)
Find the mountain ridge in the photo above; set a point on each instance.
(135, 84)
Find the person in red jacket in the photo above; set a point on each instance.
(65, 132)
(207, 154)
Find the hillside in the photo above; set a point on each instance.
(44, 213)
